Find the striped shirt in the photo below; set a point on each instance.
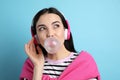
(54, 68)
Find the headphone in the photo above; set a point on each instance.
(67, 31)
(66, 34)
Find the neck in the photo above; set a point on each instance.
(61, 54)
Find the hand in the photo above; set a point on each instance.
(36, 58)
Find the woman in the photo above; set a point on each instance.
(65, 63)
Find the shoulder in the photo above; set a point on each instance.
(28, 62)
(88, 61)
(27, 69)
(85, 54)
(85, 57)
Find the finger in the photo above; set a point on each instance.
(27, 46)
(31, 45)
(31, 42)
(27, 49)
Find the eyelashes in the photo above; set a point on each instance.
(42, 28)
(56, 26)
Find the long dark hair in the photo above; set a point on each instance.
(68, 43)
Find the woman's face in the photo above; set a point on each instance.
(50, 25)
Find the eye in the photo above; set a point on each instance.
(41, 28)
(56, 26)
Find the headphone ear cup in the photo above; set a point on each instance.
(34, 36)
(65, 34)
(32, 31)
(68, 31)
(36, 41)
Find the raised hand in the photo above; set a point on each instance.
(36, 58)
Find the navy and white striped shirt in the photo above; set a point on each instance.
(55, 68)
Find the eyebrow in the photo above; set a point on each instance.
(40, 25)
(55, 22)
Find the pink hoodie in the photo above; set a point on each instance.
(82, 68)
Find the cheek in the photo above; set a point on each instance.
(61, 36)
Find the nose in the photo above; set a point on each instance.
(50, 33)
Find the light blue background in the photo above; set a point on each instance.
(95, 25)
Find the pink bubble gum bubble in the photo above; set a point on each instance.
(51, 45)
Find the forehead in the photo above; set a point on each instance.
(48, 17)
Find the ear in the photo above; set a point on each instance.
(36, 40)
